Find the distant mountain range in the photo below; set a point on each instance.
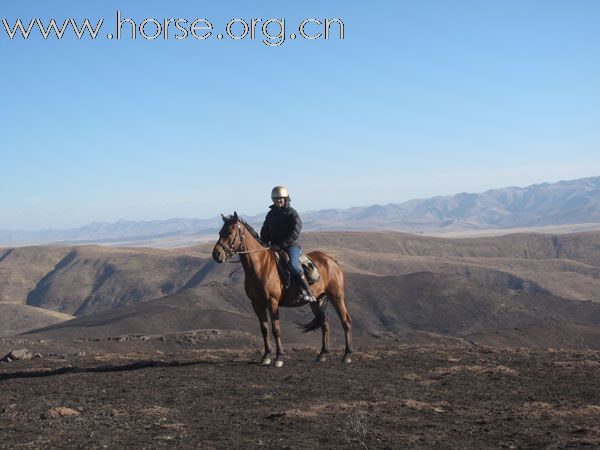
(546, 204)
(120, 231)
(565, 202)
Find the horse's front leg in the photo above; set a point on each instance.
(261, 313)
(275, 323)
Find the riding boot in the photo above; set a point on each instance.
(307, 294)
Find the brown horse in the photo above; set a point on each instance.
(265, 290)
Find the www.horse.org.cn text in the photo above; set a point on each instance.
(271, 32)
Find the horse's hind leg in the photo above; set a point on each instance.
(324, 335)
(340, 307)
(261, 313)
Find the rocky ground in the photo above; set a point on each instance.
(192, 392)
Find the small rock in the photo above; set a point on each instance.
(14, 355)
(61, 411)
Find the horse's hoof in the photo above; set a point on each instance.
(321, 358)
(347, 359)
(265, 362)
(279, 363)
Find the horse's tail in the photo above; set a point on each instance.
(319, 309)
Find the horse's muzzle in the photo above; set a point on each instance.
(218, 256)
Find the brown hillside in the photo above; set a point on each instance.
(396, 283)
(444, 305)
(567, 266)
(16, 319)
(581, 247)
(460, 307)
(161, 316)
(87, 279)
(22, 268)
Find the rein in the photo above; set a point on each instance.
(253, 251)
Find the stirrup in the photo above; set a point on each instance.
(308, 298)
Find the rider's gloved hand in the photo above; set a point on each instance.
(275, 248)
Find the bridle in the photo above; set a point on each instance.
(229, 247)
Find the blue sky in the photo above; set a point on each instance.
(420, 98)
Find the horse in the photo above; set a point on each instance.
(264, 287)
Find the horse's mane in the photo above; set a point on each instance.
(251, 230)
(254, 234)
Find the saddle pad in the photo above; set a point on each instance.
(310, 269)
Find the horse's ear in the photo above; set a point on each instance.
(235, 216)
(223, 217)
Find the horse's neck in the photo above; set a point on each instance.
(256, 262)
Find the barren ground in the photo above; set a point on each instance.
(192, 394)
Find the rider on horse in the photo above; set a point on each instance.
(281, 230)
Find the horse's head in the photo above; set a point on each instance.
(230, 238)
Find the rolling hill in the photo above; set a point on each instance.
(524, 289)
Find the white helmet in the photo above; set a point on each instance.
(279, 192)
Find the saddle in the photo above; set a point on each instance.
(285, 269)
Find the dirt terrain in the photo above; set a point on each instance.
(206, 390)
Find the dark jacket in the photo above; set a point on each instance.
(282, 227)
